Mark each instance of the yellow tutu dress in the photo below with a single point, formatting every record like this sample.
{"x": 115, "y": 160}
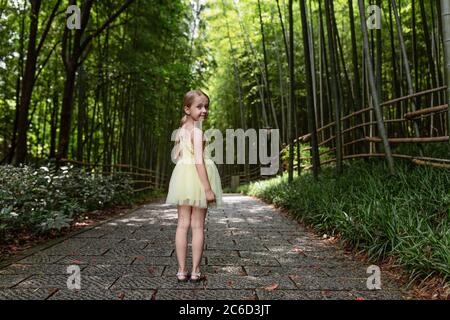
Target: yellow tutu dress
{"x": 185, "y": 187}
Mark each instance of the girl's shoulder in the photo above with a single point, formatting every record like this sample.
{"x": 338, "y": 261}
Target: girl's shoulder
{"x": 190, "y": 131}
{"x": 185, "y": 133}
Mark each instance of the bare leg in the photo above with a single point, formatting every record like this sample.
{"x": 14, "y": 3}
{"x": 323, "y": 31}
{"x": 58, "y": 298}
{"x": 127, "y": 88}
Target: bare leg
{"x": 181, "y": 236}
{"x": 198, "y": 236}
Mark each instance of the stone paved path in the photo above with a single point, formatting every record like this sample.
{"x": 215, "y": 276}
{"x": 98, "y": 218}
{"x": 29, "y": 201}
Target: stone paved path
{"x": 252, "y": 252}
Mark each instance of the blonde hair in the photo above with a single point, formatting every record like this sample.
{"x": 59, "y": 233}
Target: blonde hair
{"x": 188, "y": 99}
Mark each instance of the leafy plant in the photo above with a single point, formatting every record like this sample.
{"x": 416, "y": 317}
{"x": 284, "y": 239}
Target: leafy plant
{"x": 406, "y": 216}
{"x": 46, "y": 198}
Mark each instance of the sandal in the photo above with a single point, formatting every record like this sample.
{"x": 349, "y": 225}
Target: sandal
{"x": 196, "y": 277}
{"x": 182, "y": 276}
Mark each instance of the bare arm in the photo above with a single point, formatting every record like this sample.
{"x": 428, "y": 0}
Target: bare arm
{"x": 199, "y": 161}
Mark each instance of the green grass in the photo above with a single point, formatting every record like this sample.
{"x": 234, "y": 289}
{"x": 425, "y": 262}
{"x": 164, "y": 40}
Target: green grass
{"x": 148, "y": 195}
{"x": 406, "y": 215}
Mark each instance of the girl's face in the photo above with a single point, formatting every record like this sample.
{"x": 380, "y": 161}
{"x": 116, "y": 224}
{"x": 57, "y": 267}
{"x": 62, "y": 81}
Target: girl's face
{"x": 198, "y": 109}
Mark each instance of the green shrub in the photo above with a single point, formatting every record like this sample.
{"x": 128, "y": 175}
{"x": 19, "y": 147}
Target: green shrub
{"x": 40, "y": 199}
{"x": 305, "y": 154}
{"x": 407, "y": 215}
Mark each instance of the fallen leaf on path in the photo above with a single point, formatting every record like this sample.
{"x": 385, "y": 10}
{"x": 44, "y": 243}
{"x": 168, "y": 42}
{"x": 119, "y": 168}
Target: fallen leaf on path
{"x": 298, "y": 250}
{"x": 271, "y": 287}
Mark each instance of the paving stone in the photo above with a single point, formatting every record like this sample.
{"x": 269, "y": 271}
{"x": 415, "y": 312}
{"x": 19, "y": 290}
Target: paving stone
{"x": 251, "y": 252}
{"x": 66, "y": 294}
{"x": 243, "y": 232}
{"x": 93, "y": 234}
{"x": 174, "y": 261}
{"x": 266, "y": 254}
{"x": 307, "y": 249}
{"x": 139, "y": 252}
{"x": 211, "y": 234}
{"x": 142, "y": 269}
{"x": 62, "y": 250}
{"x": 60, "y": 281}
{"x": 330, "y": 295}
{"x": 103, "y": 270}
{"x": 300, "y": 261}
{"x": 233, "y": 261}
{"x": 84, "y": 251}
{"x": 345, "y": 270}
{"x": 304, "y": 295}
{"x": 154, "y": 261}
{"x": 135, "y": 282}
{"x": 172, "y": 270}
{"x": 281, "y": 294}
{"x": 276, "y": 238}
{"x": 153, "y": 235}
{"x": 166, "y": 294}
{"x": 284, "y": 271}
{"x": 9, "y": 281}
{"x": 225, "y": 294}
{"x": 125, "y": 260}
{"x": 38, "y": 269}
{"x": 329, "y": 283}
{"x": 25, "y": 294}
{"x": 40, "y": 258}
{"x": 134, "y": 244}
{"x": 220, "y": 253}
{"x": 380, "y": 295}
{"x": 116, "y": 235}
{"x": 137, "y": 294}
{"x": 86, "y": 242}
{"x": 248, "y": 282}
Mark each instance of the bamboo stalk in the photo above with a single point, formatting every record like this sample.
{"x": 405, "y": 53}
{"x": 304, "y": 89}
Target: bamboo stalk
{"x": 327, "y": 140}
{"x": 433, "y": 164}
{"x": 406, "y": 63}
{"x": 410, "y": 140}
{"x": 138, "y": 174}
{"x": 443, "y": 163}
{"x": 112, "y": 165}
{"x": 354, "y": 141}
{"x": 421, "y": 112}
{"x": 415, "y": 95}
{"x": 356, "y": 113}
{"x": 141, "y": 181}
{"x": 445, "y": 9}
{"x": 334, "y": 88}
{"x": 331, "y": 150}
{"x": 142, "y": 189}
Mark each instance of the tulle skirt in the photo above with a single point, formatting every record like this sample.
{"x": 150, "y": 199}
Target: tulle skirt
{"x": 185, "y": 187}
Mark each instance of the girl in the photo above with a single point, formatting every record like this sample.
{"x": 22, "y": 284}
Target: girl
{"x": 194, "y": 184}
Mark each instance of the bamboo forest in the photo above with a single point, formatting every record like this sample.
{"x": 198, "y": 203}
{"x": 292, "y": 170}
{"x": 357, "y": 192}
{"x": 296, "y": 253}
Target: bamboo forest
{"x": 350, "y": 97}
